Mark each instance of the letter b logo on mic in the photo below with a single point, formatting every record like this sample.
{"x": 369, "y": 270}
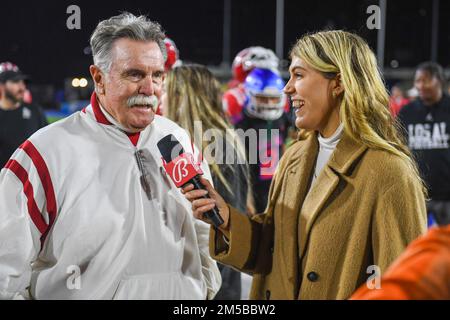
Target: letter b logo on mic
{"x": 182, "y": 169}
{"x": 179, "y": 170}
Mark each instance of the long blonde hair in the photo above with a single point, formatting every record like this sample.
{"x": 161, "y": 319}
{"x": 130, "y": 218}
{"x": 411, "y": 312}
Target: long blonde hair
{"x": 194, "y": 96}
{"x": 364, "y": 105}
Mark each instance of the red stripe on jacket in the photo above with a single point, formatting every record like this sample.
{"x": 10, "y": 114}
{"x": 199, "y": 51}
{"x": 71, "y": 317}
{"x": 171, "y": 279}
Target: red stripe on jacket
{"x": 33, "y": 209}
{"x": 46, "y": 181}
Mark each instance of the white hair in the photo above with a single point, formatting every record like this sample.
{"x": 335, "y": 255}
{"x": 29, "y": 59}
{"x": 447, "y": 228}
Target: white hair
{"x": 125, "y": 25}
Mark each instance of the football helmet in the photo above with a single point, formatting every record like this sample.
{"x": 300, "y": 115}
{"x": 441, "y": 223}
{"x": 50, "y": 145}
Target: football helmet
{"x": 265, "y": 96}
{"x": 253, "y": 57}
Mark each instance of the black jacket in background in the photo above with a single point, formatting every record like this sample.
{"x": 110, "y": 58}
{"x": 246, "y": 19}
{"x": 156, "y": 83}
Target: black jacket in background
{"x": 427, "y": 129}
{"x": 16, "y": 126}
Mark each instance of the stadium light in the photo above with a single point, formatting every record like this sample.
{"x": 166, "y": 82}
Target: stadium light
{"x": 75, "y": 82}
{"x": 83, "y": 82}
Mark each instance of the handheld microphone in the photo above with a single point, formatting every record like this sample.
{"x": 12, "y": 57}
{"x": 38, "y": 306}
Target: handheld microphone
{"x": 182, "y": 169}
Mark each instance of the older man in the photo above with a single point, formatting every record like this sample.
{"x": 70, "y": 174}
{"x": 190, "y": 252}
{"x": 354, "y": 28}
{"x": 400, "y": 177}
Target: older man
{"x": 86, "y": 211}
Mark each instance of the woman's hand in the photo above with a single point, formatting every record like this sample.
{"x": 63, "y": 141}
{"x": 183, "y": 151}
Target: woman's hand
{"x": 201, "y": 205}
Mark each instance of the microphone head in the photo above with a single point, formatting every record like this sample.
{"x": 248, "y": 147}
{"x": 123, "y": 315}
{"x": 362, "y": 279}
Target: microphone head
{"x": 170, "y": 148}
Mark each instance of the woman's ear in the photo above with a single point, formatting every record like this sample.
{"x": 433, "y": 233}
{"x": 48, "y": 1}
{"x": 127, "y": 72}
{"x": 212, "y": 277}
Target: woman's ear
{"x": 337, "y": 87}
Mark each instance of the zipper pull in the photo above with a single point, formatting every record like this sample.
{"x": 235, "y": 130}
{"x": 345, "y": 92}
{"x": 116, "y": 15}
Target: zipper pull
{"x": 145, "y": 184}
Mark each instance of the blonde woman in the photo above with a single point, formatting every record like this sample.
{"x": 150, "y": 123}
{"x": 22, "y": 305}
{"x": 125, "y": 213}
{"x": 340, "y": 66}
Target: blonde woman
{"x": 346, "y": 199}
{"x": 193, "y": 100}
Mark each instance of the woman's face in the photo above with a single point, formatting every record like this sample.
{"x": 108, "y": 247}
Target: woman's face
{"x": 311, "y": 96}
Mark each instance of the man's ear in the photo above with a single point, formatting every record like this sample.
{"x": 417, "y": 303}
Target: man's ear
{"x": 99, "y": 79}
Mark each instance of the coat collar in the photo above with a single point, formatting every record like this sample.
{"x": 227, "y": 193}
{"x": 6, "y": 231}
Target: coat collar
{"x": 346, "y": 153}
{"x": 98, "y": 114}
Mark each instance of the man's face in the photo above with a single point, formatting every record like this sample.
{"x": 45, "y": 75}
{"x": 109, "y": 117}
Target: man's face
{"x": 397, "y": 92}
{"x": 429, "y": 87}
{"x": 266, "y": 101}
{"x": 14, "y": 90}
{"x": 135, "y": 76}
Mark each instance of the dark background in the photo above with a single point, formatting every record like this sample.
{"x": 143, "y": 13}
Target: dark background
{"x": 35, "y": 37}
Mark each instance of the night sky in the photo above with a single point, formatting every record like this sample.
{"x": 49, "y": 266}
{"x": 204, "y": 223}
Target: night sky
{"x": 34, "y": 35}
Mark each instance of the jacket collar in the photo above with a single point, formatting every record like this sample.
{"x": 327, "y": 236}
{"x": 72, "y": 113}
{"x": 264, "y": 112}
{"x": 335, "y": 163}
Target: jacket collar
{"x": 346, "y": 153}
{"x": 99, "y": 116}
{"x": 102, "y": 119}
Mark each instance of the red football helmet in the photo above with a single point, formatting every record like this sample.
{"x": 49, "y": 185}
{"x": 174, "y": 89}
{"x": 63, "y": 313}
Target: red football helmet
{"x": 172, "y": 54}
{"x": 253, "y": 57}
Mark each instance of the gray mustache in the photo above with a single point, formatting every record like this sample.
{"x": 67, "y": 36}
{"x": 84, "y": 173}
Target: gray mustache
{"x": 142, "y": 99}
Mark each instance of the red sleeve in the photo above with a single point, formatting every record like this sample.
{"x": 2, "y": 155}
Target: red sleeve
{"x": 233, "y": 103}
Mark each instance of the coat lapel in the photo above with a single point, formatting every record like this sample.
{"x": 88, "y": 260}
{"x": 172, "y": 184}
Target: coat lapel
{"x": 322, "y": 189}
{"x": 295, "y": 185}
{"x": 346, "y": 153}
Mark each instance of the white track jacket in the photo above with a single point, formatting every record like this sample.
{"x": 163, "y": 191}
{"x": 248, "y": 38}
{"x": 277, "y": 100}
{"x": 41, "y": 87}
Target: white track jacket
{"x": 76, "y": 223}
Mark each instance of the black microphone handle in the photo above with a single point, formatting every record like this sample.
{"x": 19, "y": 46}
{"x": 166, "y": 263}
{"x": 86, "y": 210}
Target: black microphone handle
{"x": 212, "y": 214}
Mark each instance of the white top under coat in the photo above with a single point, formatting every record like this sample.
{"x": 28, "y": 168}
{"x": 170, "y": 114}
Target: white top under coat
{"x": 326, "y": 148}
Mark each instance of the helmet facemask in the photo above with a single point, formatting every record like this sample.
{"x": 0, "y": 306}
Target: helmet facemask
{"x": 265, "y": 96}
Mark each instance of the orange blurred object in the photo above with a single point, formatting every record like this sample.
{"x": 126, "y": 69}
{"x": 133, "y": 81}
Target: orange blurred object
{"x": 422, "y": 272}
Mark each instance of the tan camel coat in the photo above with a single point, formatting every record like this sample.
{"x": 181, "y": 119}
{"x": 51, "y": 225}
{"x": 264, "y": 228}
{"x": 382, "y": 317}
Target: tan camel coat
{"x": 317, "y": 243}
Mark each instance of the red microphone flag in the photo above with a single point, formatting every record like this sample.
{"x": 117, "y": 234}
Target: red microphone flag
{"x": 182, "y": 169}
